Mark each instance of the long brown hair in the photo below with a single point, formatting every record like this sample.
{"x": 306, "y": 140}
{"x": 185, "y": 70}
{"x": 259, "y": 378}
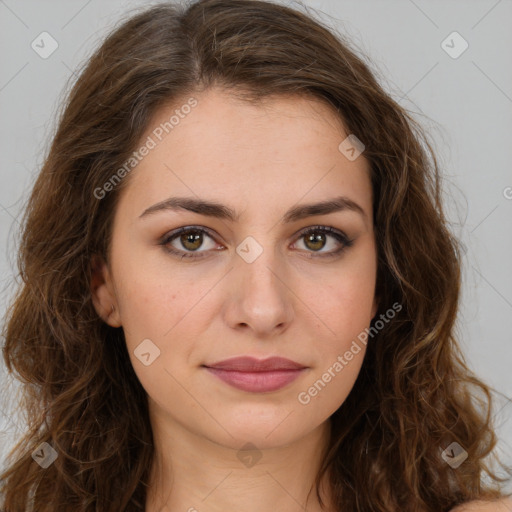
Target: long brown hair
{"x": 414, "y": 395}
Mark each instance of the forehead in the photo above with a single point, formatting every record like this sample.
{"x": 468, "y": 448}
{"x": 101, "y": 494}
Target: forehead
{"x": 273, "y": 152}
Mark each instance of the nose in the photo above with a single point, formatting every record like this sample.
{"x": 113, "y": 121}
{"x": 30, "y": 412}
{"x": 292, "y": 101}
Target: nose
{"x": 260, "y": 295}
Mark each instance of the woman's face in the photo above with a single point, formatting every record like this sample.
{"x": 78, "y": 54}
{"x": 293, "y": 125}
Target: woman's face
{"x": 250, "y": 283}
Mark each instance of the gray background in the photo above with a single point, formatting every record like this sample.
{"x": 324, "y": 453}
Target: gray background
{"x": 465, "y": 103}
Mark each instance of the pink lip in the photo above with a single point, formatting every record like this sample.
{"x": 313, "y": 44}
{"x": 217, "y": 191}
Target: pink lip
{"x": 254, "y": 375}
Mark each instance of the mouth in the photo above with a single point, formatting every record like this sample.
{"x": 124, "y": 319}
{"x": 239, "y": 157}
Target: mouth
{"x": 257, "y": 376}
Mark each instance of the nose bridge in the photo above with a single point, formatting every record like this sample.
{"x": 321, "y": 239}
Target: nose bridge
{"x": 258, "y": 261}
{"x": 261, "y": 296}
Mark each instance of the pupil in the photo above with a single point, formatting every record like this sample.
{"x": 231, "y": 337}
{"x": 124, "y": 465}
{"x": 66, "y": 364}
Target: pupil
{"x": 190, "y": 238}
{"x": 316, "y": 239}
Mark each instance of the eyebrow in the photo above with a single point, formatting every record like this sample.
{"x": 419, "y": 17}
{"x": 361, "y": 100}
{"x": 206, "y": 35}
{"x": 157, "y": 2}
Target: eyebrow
{"x": 220, "y": 211}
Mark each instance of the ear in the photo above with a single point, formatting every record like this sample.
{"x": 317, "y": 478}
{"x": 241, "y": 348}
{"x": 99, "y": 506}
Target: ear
{"x": 102, "y": 292}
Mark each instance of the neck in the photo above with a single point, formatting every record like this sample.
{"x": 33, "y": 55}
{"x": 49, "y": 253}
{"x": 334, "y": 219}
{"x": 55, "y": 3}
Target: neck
{"x": 192, "y": 473}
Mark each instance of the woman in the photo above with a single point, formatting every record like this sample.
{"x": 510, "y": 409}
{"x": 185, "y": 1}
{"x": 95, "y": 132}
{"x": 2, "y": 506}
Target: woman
{"x": 239, "y": 288}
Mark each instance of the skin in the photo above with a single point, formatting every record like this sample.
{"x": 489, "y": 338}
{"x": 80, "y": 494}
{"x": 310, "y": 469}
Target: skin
{"x": 286, "y": 303}
{"x": 504, "y": 505}
{"x": 283, "y": 303}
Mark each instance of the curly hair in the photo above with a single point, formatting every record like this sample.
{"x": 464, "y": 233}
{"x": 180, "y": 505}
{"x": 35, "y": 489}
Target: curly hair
{"x": 414, "y": 395}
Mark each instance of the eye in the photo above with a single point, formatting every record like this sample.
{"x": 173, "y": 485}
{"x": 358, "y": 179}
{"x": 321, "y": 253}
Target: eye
{"x": 189, "y": 238}
{"x": 316, "y": 238}
{"x": 185, "y": 242}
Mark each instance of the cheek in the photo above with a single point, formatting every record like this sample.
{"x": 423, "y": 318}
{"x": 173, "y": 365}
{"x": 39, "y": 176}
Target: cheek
{"x": 150, "y": 305}
{"x": 167, "y": 312}
{"x": 346, "y": 312}
{"x": 343, "y": 300}
{"x": 344, "y": 306}
{"x": 352, "y": 305}
{"x": 146, "y": 308}
{"x": 153, "y": 320}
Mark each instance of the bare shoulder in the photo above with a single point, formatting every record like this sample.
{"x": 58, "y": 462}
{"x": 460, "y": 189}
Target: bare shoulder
{"x": 503, "y": 505}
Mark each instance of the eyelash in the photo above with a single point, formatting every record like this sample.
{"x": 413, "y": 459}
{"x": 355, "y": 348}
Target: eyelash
{"x": 338, "y": 235}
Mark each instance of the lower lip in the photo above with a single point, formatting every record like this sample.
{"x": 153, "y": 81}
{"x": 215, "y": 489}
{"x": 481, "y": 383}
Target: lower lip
{"x": 257, "y": 382}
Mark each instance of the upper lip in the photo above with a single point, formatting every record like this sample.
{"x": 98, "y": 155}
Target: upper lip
{"x": 251, "y": 364}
